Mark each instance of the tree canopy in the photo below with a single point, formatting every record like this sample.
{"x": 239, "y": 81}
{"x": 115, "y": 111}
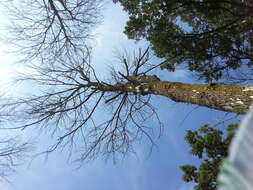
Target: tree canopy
{"x": 209, "y": 37}
{"x": 210, "y": 145}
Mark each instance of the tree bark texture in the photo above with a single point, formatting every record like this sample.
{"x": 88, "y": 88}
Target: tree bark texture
{"x": 224, "y": 97}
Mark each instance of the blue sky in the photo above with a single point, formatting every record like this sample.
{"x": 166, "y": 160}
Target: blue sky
{"x": 158, "y": 171}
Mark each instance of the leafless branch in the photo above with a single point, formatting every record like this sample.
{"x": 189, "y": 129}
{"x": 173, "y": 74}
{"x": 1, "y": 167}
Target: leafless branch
{"x": 73, "y": 100}
{"x": 51, "y": 28}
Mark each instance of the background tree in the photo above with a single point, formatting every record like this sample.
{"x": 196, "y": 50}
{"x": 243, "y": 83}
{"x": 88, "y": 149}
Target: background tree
{"x": 13, "y": 150}
{"x": 210, "y": 145}
{"x": 44, "y": 29}
{"x": 212, "y": 38}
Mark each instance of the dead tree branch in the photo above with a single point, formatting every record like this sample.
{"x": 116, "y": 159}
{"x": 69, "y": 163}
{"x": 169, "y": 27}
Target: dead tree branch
{"x": 73, "y": 100}
{"x": 45, "y": 29}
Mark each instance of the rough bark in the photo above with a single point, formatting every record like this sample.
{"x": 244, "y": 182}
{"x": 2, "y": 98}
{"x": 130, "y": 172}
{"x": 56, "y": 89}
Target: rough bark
{"x": 224, "y": 97}
{"x": 228, "y": 98}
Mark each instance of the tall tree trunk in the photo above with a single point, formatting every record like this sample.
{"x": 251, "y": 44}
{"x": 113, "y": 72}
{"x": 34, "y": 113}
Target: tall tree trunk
{"x": 224, "y": 97}
{"x": 229, "y": 98}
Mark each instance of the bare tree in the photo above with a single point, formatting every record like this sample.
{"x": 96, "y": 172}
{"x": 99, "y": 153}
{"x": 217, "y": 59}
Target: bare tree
{"x": 51, "y": 28}
{"x": 73, "y": 97}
